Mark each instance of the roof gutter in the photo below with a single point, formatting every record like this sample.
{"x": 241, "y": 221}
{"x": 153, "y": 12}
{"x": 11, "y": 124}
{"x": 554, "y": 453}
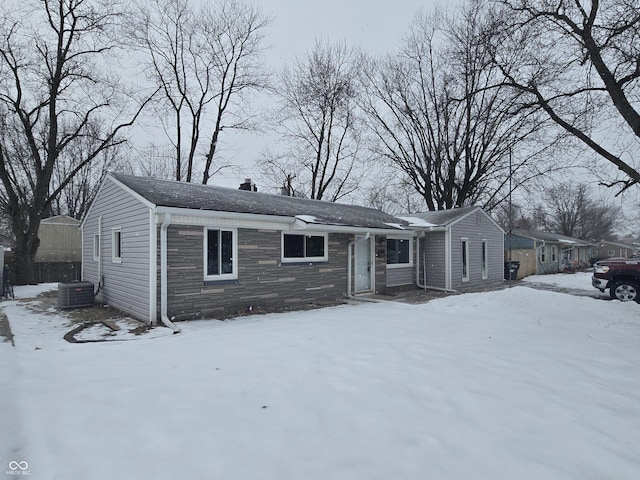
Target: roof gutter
{"x": 255, "y": 217}
{"x": 290, "y": 223}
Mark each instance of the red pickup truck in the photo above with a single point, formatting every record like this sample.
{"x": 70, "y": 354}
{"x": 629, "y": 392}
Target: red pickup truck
{"x": 620, "y": 275}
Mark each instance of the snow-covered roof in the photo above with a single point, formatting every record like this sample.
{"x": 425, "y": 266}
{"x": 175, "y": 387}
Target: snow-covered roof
{"x": 207, "y": 197}
{"x": 417, "y": 222}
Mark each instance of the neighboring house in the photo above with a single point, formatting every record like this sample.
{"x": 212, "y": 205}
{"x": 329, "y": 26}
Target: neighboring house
{"x": 59, "y": 255}
{"x": 458, "y": 249}
{"x": 607, "y": 249}
{"x": 543, "y": 252}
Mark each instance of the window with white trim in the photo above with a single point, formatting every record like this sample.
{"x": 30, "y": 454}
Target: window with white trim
{"x": 554, "y": 253}
{"x": 300, "y": 247}
{"x": 465, "y": 259}
{"x": 543, "y": 254}
{"x": 399, "y": 252}
{"x": 96, "y": 247}
{"x": 485, "y": 259}
{"x": 220, "y": 253}
{"x": 116, "y": 245}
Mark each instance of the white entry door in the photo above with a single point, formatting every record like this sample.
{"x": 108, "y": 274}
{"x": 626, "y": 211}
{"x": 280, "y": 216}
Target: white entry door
{"x": 363, "y": 265}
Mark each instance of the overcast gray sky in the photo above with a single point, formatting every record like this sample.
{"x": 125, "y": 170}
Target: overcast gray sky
{"x": 375, "y": 26}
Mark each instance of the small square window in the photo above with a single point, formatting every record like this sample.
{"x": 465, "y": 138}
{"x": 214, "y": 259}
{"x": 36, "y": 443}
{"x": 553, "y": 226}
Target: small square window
{"x": 399, "y": 251}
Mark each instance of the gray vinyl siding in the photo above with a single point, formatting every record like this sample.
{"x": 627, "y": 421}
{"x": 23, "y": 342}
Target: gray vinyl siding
{"x": 126, "y": 284}
{"x": 549, "y": 265}
{"x": 433, "y": 257}
{"x": 400, "y": 276}
{"x": 264, "y": 283}
{"x": 476, "y": 227}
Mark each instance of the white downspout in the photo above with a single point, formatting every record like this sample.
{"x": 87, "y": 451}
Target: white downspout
{"x": 424, "y": 285}
{"x": 163, "y": 275}
{"x": 99, "y": 249}
{"x": 350, "y": 247}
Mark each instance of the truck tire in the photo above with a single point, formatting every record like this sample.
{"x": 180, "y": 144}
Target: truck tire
{"x": 625, "y": 291}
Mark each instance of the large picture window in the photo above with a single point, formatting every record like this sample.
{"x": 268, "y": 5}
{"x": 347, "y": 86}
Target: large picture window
{"x": 220, "y": 254}
{"x": 399, "y": 252}
{"x": 302, "y": 247}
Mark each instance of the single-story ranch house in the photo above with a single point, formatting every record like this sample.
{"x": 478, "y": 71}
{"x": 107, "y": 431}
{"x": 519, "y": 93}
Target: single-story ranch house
{"x": 165, "y": 250}
{"x": 540, "y": 253}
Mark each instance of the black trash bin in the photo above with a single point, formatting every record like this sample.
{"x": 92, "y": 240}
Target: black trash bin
{"x": 511, "y": 270}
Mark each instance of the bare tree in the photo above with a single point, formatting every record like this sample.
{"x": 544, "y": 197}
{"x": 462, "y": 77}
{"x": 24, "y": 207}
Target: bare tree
{"x": 575, "y": 213}
{"x": 578, "y": 62}
{"x": 433, "y": 115}
{"x": 78, "y": 194}
{"x": 206, "y": 60}
{"x": 317, "y": 119}
{"x": 53, "y": 96}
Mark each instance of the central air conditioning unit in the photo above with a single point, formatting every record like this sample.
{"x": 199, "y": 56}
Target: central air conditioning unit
{"x": 75, "y": 295}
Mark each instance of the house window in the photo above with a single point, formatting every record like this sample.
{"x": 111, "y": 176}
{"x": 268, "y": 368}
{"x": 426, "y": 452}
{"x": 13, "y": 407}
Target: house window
{"x": 554, "y": 254}
{"x": 302, "y": 247}
{"x": 116, "y": 245}
{"x": 399, "y": 252}
{"x": 96, "y": 247}
{"x": 220, "y": 251}
{"x": 543, "y": 255}
{"x": 465, "y": 260}
{"x": 610, "y": 253}
{"x": 485, "y": 260}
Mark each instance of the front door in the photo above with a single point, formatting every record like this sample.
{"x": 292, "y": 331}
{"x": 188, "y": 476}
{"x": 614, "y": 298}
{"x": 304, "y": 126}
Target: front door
{"x": 363, "y": 265}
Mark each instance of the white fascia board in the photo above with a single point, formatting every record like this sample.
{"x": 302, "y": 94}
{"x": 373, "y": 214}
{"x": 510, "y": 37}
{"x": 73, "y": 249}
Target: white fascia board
{"x": 185, "y": 216}
{"x": 324, "y": 227}
{"x": 188, "y": 216}
{"x": 131, "y": 192}
{"x": 424, "y": 229}
{"x": 86, "y": 214}
{"x": 134, "y": 194}
{"x": 453, "y": 222}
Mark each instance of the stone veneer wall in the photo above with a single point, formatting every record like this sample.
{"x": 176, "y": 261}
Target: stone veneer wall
{"x": 264, "y": 283}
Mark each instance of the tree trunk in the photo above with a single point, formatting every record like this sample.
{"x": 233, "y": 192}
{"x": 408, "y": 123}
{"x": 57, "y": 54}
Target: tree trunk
{"x": 27, "y": 243}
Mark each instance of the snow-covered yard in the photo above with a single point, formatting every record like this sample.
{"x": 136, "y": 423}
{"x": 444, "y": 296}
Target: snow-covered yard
{"x": 579, "y": 281}
{"x": 512, "y": 384}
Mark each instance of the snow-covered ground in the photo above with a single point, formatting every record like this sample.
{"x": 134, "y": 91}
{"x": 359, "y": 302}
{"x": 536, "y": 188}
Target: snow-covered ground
{"x": 512, "y": 384}
{"x": 572, "y": 281}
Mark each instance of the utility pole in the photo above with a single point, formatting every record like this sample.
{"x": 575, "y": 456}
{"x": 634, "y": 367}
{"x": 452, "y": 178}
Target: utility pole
{"x": 510, "y": 215}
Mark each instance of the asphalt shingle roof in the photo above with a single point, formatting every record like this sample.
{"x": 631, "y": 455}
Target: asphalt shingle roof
{"x": 207, "y": 197}
{"x": 549, "y": 237}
